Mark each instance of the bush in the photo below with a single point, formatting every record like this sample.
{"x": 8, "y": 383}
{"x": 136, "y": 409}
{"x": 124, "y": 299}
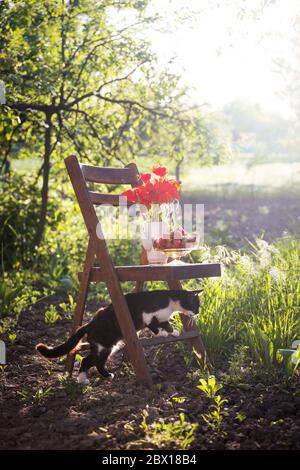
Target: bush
{"x": 19, "y": 216}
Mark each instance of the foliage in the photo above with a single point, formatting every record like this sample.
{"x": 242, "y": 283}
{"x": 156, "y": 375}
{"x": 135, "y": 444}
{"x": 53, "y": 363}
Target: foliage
{"x": 210, "y": 387}
{"x": 178, "y": 432}
{"x": 39, "y": 396}
{"x": 51, "y": 315}
{"x": 19, "y": 215}
{"x": 69, "y": 308}
{"x": 257, "y": 135}
{"x": 254, "y": 304}
{"x": 72, "y": 388}
{"x": 16, "y": 293}
{"x": 2, "y": 369}
{"x": 12, "y": 337}
{"x": 78, "y": 81}
{"x": 214, "y": 418}
{"x": 240, "y": 366}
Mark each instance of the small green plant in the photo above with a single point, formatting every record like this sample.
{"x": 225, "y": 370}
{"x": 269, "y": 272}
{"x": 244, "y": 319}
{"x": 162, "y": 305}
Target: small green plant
{"x": 240, "y": 417}
{"x": 214, "y": 418}
{"x": 2, "y": 368}
{"x": 177, "y": 400}
{"x": 8, "y": 295}
{"x": 42, "y": 394}
{"x": 240, "y": 370}
{"x": 51, "y": 315}
{"x": 12, "y": 337}
{"x": 68, "y": 308}
{"x": 210, "y": 387}
{"x": 39, "y": 396}
{"x": 72, "y": 388}
{"x": 179, "y": 432}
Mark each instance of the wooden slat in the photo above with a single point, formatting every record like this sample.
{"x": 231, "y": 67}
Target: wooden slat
{"x": 190, "y": 325}
{"x": 127, "y": 175}
{"x": 186, "y": 335}
{"x": 100, "y": 198}
{"x": 155, "y": 340}
{"x": 159, "y": 272}
{"x": 81, "y": 301}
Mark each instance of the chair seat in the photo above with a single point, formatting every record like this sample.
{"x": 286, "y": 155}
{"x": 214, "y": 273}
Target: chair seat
{"x": 165, "y": 272}
{"x": 155, "y": 340}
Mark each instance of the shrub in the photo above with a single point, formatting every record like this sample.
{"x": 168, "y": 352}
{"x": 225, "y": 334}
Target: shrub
{"x": 19, "y": 216}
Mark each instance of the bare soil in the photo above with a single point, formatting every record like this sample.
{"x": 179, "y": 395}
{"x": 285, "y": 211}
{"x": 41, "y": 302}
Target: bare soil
{"x": 235, "y": 221}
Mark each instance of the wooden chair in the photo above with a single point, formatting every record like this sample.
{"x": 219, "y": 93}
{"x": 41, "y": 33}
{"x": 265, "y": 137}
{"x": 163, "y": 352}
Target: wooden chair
{"x": 112, "y": 275}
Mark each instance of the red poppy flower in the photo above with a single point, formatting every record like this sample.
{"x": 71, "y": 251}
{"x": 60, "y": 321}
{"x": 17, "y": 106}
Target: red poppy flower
{"x": 130, "y": 195}
{"x": 160, "y": 191}
{"x": 145, "y": 177}
{"x": 160, "y": 170}
{"x": 144, "y": 194}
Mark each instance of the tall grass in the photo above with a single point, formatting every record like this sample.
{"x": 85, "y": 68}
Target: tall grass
{"x": 256, "y": 303}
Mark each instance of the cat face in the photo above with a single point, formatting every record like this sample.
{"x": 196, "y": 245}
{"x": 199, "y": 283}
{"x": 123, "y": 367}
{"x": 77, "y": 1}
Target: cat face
{"x": 191, "y": 302}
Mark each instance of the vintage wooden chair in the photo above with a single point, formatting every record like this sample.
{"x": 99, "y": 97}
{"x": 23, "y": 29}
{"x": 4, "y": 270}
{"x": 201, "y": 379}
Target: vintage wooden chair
{"x": 112, "y": 275}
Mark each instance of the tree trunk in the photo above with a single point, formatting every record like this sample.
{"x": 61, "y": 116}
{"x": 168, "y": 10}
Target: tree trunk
{"x": 177, "y": 169}
{"x": 46, "y": 171}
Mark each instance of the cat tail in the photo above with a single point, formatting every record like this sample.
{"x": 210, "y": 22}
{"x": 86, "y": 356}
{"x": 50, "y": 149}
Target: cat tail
{"x": 63, "y": 348}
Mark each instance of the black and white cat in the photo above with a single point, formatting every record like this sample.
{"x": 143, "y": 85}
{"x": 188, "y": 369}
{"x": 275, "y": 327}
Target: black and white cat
{"x": 151, "y": 309}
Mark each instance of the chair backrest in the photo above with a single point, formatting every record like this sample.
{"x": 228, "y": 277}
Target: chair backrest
{"x": 128, "y": 175}
{"x": 81, "y": 174}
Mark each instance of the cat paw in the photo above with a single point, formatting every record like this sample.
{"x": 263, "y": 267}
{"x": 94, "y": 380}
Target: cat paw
{"x": 162, "y": 332}
{"x": 107, "y": 375}
{"x": 175, "y": 333}
{"x": 82, "y": 379}
{"x": 188, "y": 313}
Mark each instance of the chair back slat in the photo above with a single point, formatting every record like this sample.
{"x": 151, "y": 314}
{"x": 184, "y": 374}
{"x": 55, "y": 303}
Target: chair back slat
{"x": 100, "y": 198}
{"x": 127, "y": 175}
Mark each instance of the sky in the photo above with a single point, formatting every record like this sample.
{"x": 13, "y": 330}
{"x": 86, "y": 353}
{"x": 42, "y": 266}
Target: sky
{"x": 224, "y": 56}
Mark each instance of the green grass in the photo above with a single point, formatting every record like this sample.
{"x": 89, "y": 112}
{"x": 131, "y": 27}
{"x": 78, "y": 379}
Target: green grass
{"x": 256, "y": 304}
{"x": 232, "y": 180}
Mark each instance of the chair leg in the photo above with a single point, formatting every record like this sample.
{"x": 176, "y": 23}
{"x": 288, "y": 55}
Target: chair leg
{"x": 189, "y": 325}
{"x": 139, "y": 285}
{"x": 80, "y": 305}
{"x": 133, "y": 346}
{"x": 77, "y": 322}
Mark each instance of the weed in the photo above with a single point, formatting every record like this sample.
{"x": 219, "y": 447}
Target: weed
{"x": 214, "y": 418}
{"x": 12, "y": 337}
{"x": 69, "y": 308}
{"x": 51, "y": 315}
{"x": 160, "y": 433}
{"x": 39, "y": 396}
{"x": 240, "y": 366}
{"x": 210, "y": 387}
{"x": 2, "y": 368}
{"x": 72, "y": 388}
{"x": 240, "y": 417}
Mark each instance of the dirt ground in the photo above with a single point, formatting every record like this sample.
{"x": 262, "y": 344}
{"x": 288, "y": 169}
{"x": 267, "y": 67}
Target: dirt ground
{"x": 235, "y": 221}
{"x": 108, "y": 414}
